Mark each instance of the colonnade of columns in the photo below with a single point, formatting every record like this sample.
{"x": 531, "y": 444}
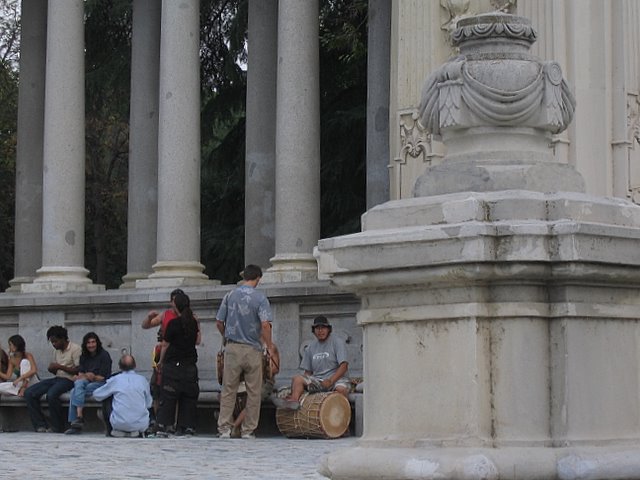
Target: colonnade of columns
{"x": 282, "y": 149}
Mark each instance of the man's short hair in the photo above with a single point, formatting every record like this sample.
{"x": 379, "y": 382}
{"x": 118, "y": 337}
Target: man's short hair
{"x": 57, "y": 331}
{"x": 251, "y": 272}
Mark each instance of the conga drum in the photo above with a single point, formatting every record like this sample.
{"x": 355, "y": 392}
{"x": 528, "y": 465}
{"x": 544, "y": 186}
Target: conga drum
{"x": 321, "y": 415}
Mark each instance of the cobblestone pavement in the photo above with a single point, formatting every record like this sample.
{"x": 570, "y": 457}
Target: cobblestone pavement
{"x": 94, "y": 456}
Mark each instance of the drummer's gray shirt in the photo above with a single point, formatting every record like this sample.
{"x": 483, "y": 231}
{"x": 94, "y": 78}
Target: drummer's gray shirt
{"x": 323, "y": 358}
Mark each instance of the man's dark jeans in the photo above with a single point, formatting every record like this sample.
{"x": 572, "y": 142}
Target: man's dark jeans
{"x": 53, "y": 388}
{"x": 107, "y": 408}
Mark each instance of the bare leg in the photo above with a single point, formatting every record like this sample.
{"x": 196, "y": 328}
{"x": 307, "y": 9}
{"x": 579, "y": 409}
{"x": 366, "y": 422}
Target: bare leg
{"x": 297, "y": 388}
{"x": 239, "y": 419}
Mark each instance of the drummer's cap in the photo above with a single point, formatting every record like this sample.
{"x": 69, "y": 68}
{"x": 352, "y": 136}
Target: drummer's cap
{"x": 320, "y": 320}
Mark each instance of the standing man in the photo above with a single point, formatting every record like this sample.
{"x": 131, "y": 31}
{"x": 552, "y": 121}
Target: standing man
{"x": 244, "y": 320}
{"x": 130, "y": 402}
{"x": 66, "y": 359}
{"x": 325, "y": 366}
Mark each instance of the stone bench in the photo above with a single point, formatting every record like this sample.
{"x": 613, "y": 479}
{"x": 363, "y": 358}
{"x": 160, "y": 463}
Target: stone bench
{"x": 14, "y": 414}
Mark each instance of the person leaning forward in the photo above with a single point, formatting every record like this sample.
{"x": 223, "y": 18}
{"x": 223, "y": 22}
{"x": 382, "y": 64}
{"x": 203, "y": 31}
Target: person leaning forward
{"x": 126, "y": 400}
{"x": 244, "y": 320}
{"x": 65, "y": 365}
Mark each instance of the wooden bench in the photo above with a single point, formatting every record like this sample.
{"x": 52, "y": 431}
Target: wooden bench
{"x": 14, "y": 414}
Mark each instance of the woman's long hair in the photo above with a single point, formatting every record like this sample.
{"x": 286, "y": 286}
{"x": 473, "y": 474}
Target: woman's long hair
{"x": 86, "y": 339}
{"x": 187, "y": 320}
{"x": 18, "y": 342}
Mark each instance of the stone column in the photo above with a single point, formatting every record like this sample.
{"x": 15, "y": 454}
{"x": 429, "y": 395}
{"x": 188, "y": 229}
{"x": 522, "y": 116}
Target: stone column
{"x": 143, "y": 142}
{"x": 499, "y": 305}
{"x": 178, "y": 149}
{"x": 259, "y": 196}
{"x": 28, "y": 213}
{"x": 64, "y": 154}
{"x": 418, "y": 46}
{"x": 297, "y": 143}
{"x": 378, "y": 51}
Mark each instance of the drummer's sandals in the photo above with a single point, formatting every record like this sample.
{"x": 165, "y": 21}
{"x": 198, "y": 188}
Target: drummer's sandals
{"x": 286, "y": 404}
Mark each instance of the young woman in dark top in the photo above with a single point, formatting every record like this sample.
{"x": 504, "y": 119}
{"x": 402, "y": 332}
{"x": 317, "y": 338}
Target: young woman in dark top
{"x": 95, "y": 368}
{"x": 178, "y": 360}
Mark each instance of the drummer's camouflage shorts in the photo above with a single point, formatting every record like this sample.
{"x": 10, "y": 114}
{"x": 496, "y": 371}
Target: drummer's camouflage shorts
{"x": 314, "y": 384}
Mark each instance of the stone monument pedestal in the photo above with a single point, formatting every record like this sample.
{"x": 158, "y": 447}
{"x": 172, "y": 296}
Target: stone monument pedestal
{"x": 500, "y": 322}
{"x": 501, "y": 337}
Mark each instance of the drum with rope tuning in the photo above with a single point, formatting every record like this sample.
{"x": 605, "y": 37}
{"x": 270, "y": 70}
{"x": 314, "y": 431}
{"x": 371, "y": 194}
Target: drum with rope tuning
{"x": 321, "y": 415}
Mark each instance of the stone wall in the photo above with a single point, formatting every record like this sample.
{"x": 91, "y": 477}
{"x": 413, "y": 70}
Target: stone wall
{"x": 116, "y": 315}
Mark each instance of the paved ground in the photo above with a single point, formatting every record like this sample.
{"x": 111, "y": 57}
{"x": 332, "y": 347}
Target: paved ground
{"x": 94, "y": 456}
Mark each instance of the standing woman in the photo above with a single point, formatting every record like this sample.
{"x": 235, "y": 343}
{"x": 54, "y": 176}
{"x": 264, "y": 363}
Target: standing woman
{"x": 21, "y": 364}
{"x": 178, "y": 359}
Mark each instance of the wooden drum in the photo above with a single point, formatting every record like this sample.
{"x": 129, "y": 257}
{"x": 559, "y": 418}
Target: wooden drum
{"x": 321, "y": 415}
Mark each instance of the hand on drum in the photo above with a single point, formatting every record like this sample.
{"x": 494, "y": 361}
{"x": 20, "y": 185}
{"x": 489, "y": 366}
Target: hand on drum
{"x": 326, "y": 383}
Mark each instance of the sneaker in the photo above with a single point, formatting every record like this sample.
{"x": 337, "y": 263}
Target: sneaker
{"x": 248, "y": 436}
{"x": 43, "y": 430}
{"x": 286, "y": 404}
{"x": 161, "y": 434}
{"x": 121, "y": 434}
{"x": 73, "y": 431}
{"x": 226, "y": 434}
{"x": 77, "y": 423}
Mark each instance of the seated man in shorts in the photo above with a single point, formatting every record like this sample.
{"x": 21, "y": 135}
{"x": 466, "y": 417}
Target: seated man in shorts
{"x": 325, "y": 366}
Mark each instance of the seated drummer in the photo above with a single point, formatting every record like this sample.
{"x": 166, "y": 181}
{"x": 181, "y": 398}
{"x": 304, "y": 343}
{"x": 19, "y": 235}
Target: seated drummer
{"x": 325, "y": 366}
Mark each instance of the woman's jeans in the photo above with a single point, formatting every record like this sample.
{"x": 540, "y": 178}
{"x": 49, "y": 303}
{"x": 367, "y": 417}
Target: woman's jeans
{"x": 82, "y": 389}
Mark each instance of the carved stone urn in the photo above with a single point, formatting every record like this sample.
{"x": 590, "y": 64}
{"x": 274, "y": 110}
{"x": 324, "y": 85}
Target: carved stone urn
{"x": 496, "y": 106}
